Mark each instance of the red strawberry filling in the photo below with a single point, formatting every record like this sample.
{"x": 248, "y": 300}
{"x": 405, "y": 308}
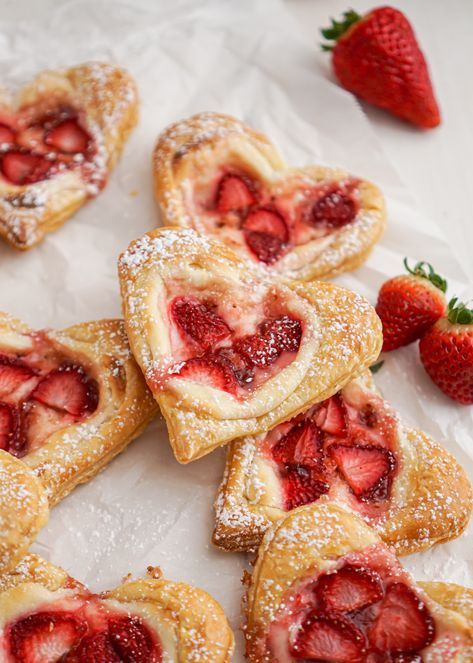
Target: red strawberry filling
{"x": 358, "y": 612}
{"x": 334, "y": 210}
{"x": 213, "y": 353}
{"x": 38, "y": 398}
{"x": 270, "y": 221}
{"x": 81, "y": 636}
{"x": 338, "y": 445}
{"x": 40, "y": 148}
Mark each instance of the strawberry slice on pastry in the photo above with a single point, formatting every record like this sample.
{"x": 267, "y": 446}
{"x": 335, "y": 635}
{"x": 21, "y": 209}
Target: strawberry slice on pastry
{"x": 46, "y": 617}
{"x": 325, "y": 588}
{"x": 59, "y": 141}
{"x": 351, "y": 448}
{"x": 217, "y": 175}
{"x": 227, "y": 350}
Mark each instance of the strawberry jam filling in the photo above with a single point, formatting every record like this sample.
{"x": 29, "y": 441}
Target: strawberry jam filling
{"x": 345, "y": 446}
{"x": 271, "y": 221}
{"x": 90, "y": 632}
{"x": 40, "y": 393}
{"x": 35, "y": 149}
{"x": 363, "y": 610}
{"x": 213, "y": 353}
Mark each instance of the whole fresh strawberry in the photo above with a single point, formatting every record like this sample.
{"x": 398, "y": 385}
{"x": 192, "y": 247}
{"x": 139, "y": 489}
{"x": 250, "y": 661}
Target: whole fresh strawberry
{"x": 446, "y": 351}
{"x": 410, "y": 304}
{"x": 377, "y": 57}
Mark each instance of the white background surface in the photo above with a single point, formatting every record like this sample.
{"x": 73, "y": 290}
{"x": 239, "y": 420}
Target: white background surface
{"x": 247, "y": 58}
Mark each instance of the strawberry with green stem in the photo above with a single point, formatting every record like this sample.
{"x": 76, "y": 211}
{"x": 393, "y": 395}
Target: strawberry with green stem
{"x": 378, "y": 58}
{"x": 408, "y": 305}
{"x": 446, "y": 351}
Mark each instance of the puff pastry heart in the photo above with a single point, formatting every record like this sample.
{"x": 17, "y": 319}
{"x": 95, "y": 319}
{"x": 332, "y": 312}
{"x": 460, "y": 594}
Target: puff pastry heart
{"x": 351, "y": 448}
{"x": 227, "y": 351}
{"x": 326, "y": 588}
{"x": 217, "y": 175}
{"x": 59, "y": 139}
{"x": 69, "y": 402}
{"x": 46, "y": 616}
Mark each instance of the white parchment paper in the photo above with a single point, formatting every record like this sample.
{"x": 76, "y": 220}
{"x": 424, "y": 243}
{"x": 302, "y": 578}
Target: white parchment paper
{"x": 249, "y": 59}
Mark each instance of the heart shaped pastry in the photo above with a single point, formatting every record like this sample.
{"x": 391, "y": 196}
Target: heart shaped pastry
{"x": 351, "y": 448}
{"x": 46, "y": 616}
{"x": 326, "y": 588}
{"x": 217, "y": 175}
{"x": 69, "y": 402}
{"x": 228, "y": 351}
{"x": 59, "y": 139}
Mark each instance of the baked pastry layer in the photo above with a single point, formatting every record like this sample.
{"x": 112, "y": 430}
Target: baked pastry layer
{"x": 215, "y": 174}
{"x": 425, "y": 499}
{"x": 61, "y": 136}
{"x": 151, "y": 619}
{"x": 295, "y": 594}
{"x": 62, "y": 446}
{"x": 295, "y": 343}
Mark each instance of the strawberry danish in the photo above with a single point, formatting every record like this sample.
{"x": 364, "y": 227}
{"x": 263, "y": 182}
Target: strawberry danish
{"x": 227, "y": 351}
{"x": 69, "y": 402}
{"x": 351, "y": 448}
{"x": 46, "y": 616}
{"x": 59, "y": 140}
{"x": 326, "y": 588}
{"x": 217, "y": 175}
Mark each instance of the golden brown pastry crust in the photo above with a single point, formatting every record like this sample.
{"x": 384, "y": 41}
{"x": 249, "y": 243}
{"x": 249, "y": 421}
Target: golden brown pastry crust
{"x": 304, "y": 542}
{"x": 23, "y": 509}
{"x": 186, "y": 144}
{"x": 345, "y": 330}
{"x": 198, "y": 626}
{"x": 74, "y": 454}
{"x": 107, "y": 96}
{"x": 436, "y": 497}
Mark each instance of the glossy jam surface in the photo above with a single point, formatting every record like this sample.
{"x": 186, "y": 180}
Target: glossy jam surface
{"x": 81, "y": 631}
{"x": 346, "y": 446}
{"x": 363, "y": 610}
{"x": 41, "y": 392}
{"x": 35, "y": 146}
{"x": 214, "y": 347}
{"x": 271, "y": 221}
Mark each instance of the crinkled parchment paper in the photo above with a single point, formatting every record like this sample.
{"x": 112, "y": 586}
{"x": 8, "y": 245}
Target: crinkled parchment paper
{"x": 249, "y": 59}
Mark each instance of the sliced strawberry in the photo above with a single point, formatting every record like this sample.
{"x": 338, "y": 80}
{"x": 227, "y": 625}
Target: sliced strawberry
{"x": 331, "y": 418}
{"x": 335, "y": 210}
{"x": 234, "y": 193}
{"x": 240, "y": 366}
{"x": 404, "y": 624}
{"x": 199, "y": 322}
{"x": 14, "y": 377}
{"x": 300, "y": 486}
{"x": 258, "y": 350}
{"x": 32, "y": 139}
{"x": 266, "y": 234}
{"x": 44, "y": 637}
{"x": 7, "y": 135}
{"x": 68, "y": 389}
{"x": 23, "y": 168}
{"x": 284, "y": 332}
{"x": 8, "y": 426}
{"x": 366, "y": 469}
{"x": 348, "y": 589}
{"x": 69, "y": 137}
{"x": 209, "y": 372}
{"x": 331, "y": 639}
{"x": 37, "y": 423}
{"x": 301, "y": 445}
{"x": 97, "y": 648}
{"x": 133, "y": 642}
